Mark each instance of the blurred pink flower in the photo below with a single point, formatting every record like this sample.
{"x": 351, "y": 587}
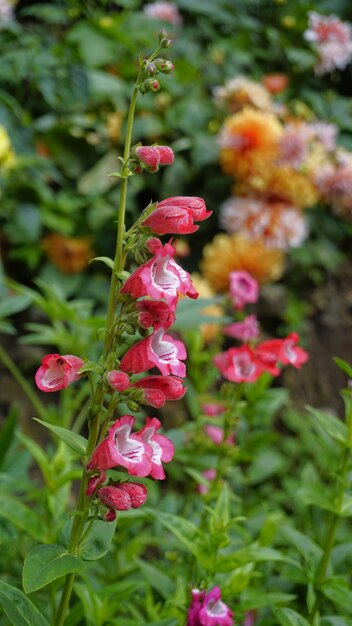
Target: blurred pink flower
{"x": 243, "y": 289}
{"x": 244, "y": 331}
{"x": 210, "y": 475}
{"x": 216, "y": 434}
{"x": 333, "y": 40}
{"x": 166, "y": 11}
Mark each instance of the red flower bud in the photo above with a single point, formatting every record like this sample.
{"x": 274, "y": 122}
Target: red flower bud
{"x": 166, "y": 155}
{"x": 118, "y": 380}
{"x": 137, "y": 493}
{"x": 114, "y": 498}
{"x": 154, "y": 314}
{"x": 148, "y": 157}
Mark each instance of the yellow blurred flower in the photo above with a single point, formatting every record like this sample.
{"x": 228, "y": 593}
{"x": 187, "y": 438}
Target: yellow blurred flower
{"x": 68, "y": 254}
{"x": 249, "y": 143}
{"x": 7, "y": 155}
{"x": 227, "y": 253}
{"x": 292, "y": 186}
{"x": 240, "y": 92}
{"x": 208, "y": 330}
{"x": 114, "y": 126}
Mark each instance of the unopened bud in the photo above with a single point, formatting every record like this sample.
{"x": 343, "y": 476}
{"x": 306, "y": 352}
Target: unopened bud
{"x": 151, "y": 84}
{"x": 164, "y": 66}
{"x": 150, "y": 68}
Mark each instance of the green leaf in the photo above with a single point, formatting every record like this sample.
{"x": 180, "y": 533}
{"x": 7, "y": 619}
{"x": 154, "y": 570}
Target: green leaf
{"x": 312, "y": 495}
{"x": 18, "y": 608}
{"x": 22, "y": 517}
{"x": 344, "y": 366}
{"x": 38, "y": 454}
{"x": 157, "y": 579}
{"x": 104, "y": 259}
{"x": 91, "y": 366}
{"x": 254, "y": 599}
{"x": 333, "y": 426}
{"x": 97, "y": 542}
{"x": 74, "y": 441}
{"x": 252, "y": 554}
{"x": 288, "y": 617}
{"x": 339, "y": 592}
{"x": 14, "y": 304}
{"x": 7, "y": 433}
{"x": 188, "y": 533}
{"x": 46, "y": 563}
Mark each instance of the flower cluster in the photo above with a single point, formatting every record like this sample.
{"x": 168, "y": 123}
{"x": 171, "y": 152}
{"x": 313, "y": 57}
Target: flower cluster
{"x": 208, "y": 609}
{"x": 282, "y": 162}
{"x": 332, "y": 39}
{"x": 247, "y": 362}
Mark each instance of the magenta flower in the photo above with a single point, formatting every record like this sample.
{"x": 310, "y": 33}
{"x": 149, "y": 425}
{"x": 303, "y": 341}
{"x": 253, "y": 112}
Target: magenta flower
{"x": 159, "y": 389}
{"x": 210, "y": 475}
{"x": 176, "y": 215}
{"x": 243, "y": 289}
{"x": 158, "y": 350}
{"x": 216, "y": 434}
{"x": 239, "y": 364}
{"x": 156, "y": 314}
{"x": 118, "y": 380}
{"x": 212, "y": 409}
{"x": 121, "y": 447}
{"x": 207, "y": 609}
{"x": 57, "y": 372}
{"x": 244, "y": 331}
{"x": 285, "y": 350}
{"x": 163, "y": 448}
{"x": 161, "y": 277}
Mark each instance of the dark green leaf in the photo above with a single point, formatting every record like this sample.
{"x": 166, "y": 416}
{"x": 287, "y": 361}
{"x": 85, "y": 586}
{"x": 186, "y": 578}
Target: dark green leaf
{"x": 97, "y": 543}
{"x": 74, "y": 441}
{"x": 46, "y": 563}
{"x": 332, "y": 425}
{"x": 18, "y": 608}
{"x": 288, "y": 617}
{"x": 157, "y": 579}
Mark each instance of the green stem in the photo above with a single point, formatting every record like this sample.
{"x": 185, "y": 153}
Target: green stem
{"x": 342, "y": 479}
{"x": 23, "y": 383}
{"x": 65, "y": 599}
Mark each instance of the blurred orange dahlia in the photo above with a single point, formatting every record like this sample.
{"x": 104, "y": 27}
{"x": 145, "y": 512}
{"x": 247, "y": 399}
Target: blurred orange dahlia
{"x": 68, "y": 254}
{"x": 227, "y": 253}
{"x": 249, "y": 143}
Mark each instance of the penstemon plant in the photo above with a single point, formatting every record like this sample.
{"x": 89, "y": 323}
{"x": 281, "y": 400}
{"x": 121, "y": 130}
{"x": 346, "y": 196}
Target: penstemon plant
{"x": 141, "y": 308}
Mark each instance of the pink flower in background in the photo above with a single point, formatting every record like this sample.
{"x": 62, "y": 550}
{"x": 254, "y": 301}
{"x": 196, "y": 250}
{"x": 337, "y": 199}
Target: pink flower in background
{"x": 239, "y": 365}
{"x": 335, "y": 185}
{"x": 216, "y": 434}
{"x": 294, "y": 144}
{"x": 207, "y": 609}
{"x": 285, "y": 350}
{"x": 159, "y": 389}
{"x": 161, "y": 277}
{"x": 156, "y": 314}
{"x": 162, "y": 447}
{"x": 249, "y": 619}
{"x": 121, "y": 447}
{"x": 325, "y": 133}
{"x": 210, "y": 475}
{"x": 166, "y": 11}
{"x": 118, "y": 380}
{"x": 212, "y": 409}
{"x": 243, "y": 289}
{"x": 333, "y": 40}
{"x": 57, "y": 372}
{"x": 158, "y": 350}
{"x": 244, "y": 331}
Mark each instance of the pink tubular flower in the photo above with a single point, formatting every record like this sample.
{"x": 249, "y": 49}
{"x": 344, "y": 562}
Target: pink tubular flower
{"x": 285, "y": 350}
{"x": 176, "y": 215}
{"x": 154, "y": 314}
{"x": 159, "y": 389}
{"x": 57, "y": 372}
{"x": 207, "y": 609}
{"x": 212, "y": 409}
{"x": 214, "y": 611}
{"x": 166, "y": 155}
{"x": 158, "y": 350}
{"x": 210, "y": 475}
{"x": 166, "y": 11}
{"x": 163, "y": 448}
{"x": 161, "y": 277}
{"x": 216, "y": 434}
{"x": 244, "y": 331}
{"x": 118, "y": 380}
{"x": 239, "y": 365}
{"x": 243, "y": 289}
{"x": 121, "y": 447}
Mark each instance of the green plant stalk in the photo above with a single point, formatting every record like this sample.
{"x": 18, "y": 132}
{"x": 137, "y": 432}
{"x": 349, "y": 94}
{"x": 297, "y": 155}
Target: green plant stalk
{"x": 23, "y": 383}
{"x": 342, "y": 479}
